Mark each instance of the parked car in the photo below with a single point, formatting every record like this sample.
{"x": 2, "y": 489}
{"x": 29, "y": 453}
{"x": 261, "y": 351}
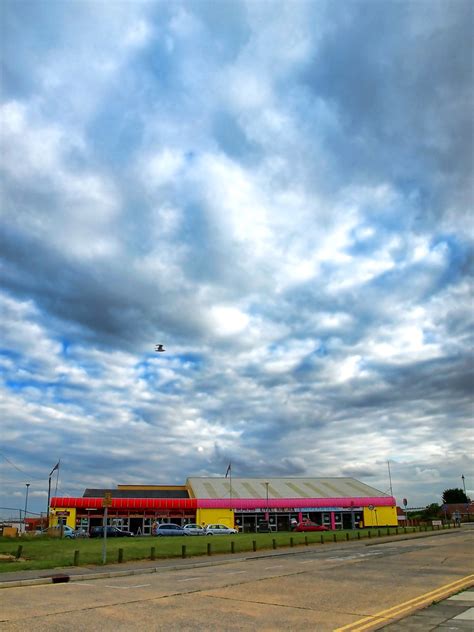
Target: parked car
{"x": 309, "y": 526}
{"x": 82, "y": 533}
{"x": 194, "y": 529}
{"x": 112, "y": 532}
{"x": 219, "y": 529}
{"x": 68, "y": 532}
{"x": 169, "y": 528}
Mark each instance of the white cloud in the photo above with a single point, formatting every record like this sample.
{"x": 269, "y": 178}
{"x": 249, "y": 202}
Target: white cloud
{"x": 228, "y": 321}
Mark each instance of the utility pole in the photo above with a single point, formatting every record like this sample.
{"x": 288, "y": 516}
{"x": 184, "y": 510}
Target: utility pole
{"x": 390, "y": 478}
{"x": 467, "y": 499}
{"x": 26, "y": 506}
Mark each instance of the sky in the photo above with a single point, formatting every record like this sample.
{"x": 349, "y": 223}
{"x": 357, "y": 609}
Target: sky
{"x": 280, "y": 193}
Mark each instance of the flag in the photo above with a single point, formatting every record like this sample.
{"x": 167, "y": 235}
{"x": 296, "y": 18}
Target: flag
{"x": 56, "y": 467}
{"x": 228, "y": 471}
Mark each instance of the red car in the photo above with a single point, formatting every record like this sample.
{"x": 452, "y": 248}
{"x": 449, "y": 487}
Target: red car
{"x": 309, "y": 526}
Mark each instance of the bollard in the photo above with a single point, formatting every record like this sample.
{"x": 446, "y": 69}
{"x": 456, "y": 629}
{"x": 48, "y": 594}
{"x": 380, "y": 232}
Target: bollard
{"x": 404, "y": 530}
{"x": 388, "y": 531}
{"x": 232, "y": 547}
{"x": 334, "y": 536}
{"x": 152, "y": 553}
{"x": 291, "y": 542}
{"x": 396, "y": 530}
{"x": 209, "y": 548}
{"x": 274, "y": 543}
{"x": 322, "y": 539}
{"x": 183, "y": 551}
{"x": 306, "y": 540}
{"x": 120, "y": 556}
{"x": 254, "y": 545}
{"x": 358, "y": 535}
{"x": 379, "y": 533}
{"x": 347, "y": 536}
{"x": 369, "y": 534}
{"x": 19, "y": 551}
{"x": 76, "y": 558}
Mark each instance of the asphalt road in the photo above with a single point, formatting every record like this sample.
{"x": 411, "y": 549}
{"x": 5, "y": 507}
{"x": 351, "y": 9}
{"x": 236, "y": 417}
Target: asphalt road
{"x": 324, "y": 589}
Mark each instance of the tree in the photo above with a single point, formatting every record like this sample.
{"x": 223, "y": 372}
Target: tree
{"x": 455, "y": 495}
{"x": 433, "y": 511}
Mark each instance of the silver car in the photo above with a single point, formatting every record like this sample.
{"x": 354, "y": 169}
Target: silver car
{"x": 169, "y": 528}
{"x": 219, "y": 529}
{"x": 194, "y": 529}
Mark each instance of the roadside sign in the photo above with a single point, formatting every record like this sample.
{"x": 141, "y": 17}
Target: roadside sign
{"x": 107, "y": 499}
{"x": 405, "y": 502}
{"x": 371, "y": 507}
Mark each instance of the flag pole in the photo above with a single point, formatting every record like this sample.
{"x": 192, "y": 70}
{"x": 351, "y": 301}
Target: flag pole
{"x": 57, "y": 478}
{"x": 49, "y": 491}
{"x": 49, "y": 500}
{"x": 230, "y": 486}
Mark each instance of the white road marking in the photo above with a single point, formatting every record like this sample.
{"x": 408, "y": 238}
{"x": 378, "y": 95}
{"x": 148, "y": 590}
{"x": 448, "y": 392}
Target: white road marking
{"x": 270, "y": 568}
{"x": 127, "y": 587}
{"x": 357, "y": 556}
{"x": 234, "y": 572}
{"x": 140, "y": 586}
{"x": 188, "y": 579}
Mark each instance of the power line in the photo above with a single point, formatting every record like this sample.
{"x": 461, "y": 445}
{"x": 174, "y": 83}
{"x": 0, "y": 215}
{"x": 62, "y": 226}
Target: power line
{"x": 12, "y": 464}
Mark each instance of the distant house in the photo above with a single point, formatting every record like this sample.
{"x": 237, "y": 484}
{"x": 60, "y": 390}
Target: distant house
{"x": 465, "y": 510}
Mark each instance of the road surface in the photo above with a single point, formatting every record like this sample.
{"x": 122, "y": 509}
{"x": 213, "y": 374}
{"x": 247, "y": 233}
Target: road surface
{"x": 353, "y": 586}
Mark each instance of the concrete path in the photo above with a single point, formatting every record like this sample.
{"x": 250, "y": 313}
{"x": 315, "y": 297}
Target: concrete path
{"x": 454, "y": 613}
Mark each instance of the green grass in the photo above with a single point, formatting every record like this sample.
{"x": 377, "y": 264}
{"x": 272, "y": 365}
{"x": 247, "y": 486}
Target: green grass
{"x": 44, "y": 552}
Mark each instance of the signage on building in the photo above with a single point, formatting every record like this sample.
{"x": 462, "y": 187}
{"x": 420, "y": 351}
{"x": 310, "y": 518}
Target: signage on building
{"x": 107, "y": 500}
{"x": 264, "y": 509}
{"x": 62, "y": 514}
{"x": 319, "y": 509}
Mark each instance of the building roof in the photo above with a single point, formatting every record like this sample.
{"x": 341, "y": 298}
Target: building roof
{"x": 136, "y": 493}
{"x": 287, "y": 487}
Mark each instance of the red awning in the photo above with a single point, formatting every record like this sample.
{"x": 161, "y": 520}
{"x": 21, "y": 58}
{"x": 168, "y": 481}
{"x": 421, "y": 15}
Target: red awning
{"x": 125, "y": 503}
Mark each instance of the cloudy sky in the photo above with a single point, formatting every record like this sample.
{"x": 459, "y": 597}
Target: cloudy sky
{"x": 281, "y": 193}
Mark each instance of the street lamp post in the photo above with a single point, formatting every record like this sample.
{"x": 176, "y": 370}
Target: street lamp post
{"x": 467, "y": 499}
{"x": 26, "y": 506}
{"x": 266, "y": 488}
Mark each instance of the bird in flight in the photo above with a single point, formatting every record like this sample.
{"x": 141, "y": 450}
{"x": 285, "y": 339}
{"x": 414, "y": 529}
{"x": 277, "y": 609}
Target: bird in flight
{"x": 159, "y": 348}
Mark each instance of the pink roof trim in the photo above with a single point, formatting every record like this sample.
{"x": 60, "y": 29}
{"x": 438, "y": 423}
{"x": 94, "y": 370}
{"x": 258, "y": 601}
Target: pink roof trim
{"x": 315, "y": 503}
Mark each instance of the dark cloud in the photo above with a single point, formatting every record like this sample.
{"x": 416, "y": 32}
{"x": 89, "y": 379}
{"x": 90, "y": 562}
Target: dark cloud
{"x": 280, "y": 194}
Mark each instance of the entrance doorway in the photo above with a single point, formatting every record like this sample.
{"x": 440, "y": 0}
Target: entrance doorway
{"x": 249, "y": 524}
{"x": 136, "y": 525}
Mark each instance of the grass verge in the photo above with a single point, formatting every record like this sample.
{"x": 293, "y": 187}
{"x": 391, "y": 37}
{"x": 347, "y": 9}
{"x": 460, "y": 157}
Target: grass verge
{"x": 44, "y": 552}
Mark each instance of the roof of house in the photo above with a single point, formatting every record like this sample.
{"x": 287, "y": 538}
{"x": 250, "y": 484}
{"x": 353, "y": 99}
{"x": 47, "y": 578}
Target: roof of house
{"x": 136, "y": 493}
{"x": 284, "y": 487}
